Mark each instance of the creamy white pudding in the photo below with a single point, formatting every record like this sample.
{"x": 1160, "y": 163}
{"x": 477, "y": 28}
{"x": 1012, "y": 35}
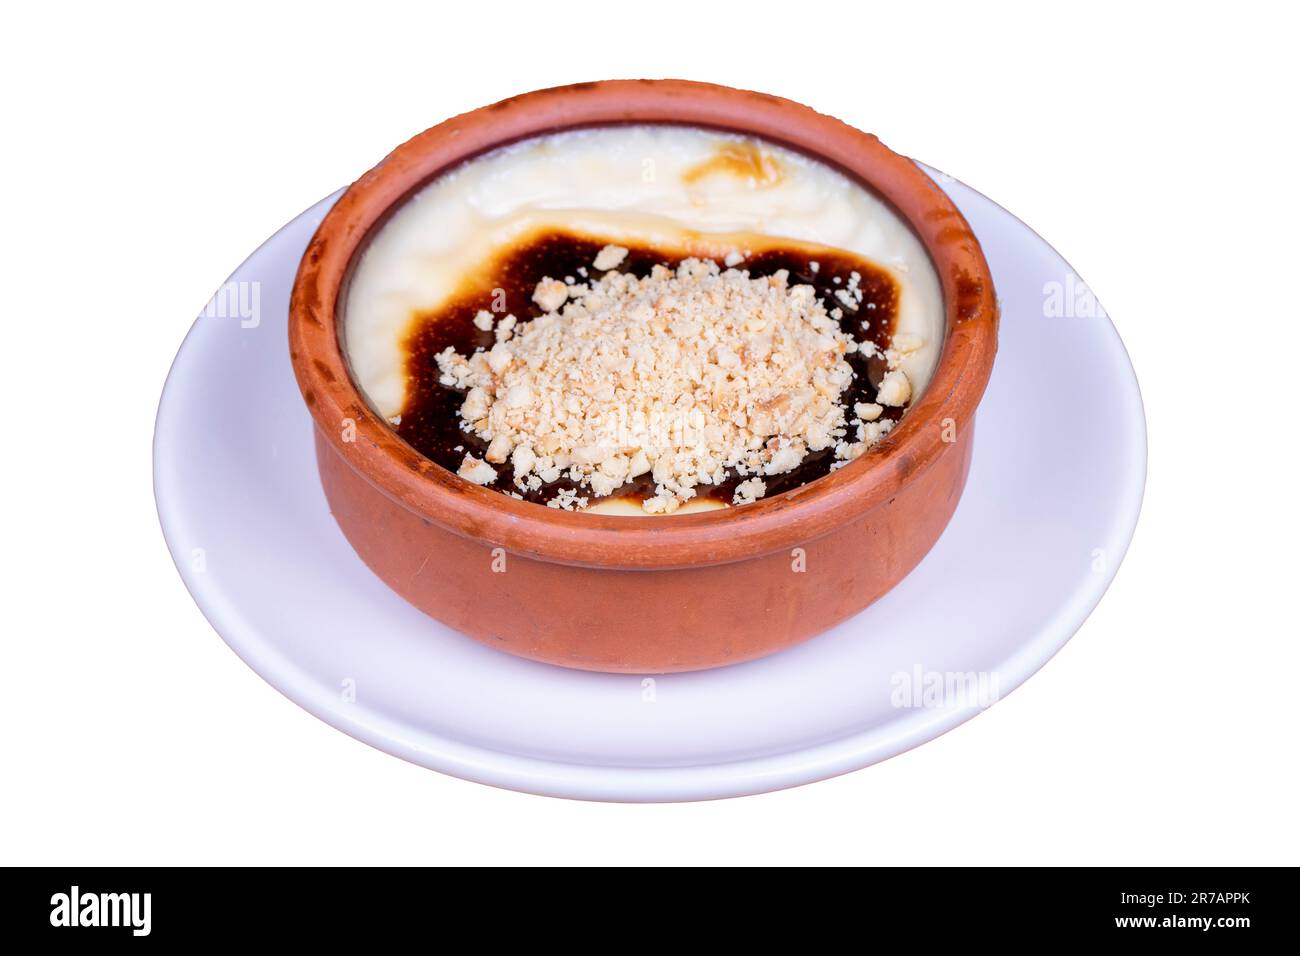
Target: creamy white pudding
{"x": 727, "y": 219}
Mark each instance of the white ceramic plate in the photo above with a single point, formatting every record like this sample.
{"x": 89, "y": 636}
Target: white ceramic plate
{"x": 1053, "y": 497}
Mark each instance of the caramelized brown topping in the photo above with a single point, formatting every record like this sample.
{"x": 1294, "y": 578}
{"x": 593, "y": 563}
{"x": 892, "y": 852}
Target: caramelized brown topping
{"x": 745, "y": 160}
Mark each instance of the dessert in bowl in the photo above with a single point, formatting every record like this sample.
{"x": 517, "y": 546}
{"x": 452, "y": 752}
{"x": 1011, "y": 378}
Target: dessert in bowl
{"x": 643, "y": 376}
{"x": 665, "y": 317}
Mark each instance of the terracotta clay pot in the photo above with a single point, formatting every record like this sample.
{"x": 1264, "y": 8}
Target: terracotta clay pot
{"x": 630, "y": 594}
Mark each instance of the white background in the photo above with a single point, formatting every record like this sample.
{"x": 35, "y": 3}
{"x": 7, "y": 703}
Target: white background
{"x": 150, "y": 149}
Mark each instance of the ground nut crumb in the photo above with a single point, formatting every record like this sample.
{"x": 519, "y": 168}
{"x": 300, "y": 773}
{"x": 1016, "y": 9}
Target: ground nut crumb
{"x": 611, "y": 257}
{"x": 483, "y": 320}
{"x": 867, "y": 411}
{"x": 499, "y": 449}
{"x": 505, "y": 328}
{"x": 523, "y": 460}
{"x": 747, "y": 492}
{"x": 550, "y": 294}
{"x": 568, "y": 500}
{"x": 660, "y": 504}
{"x": 895, "y": 389}
{"x": 477, "y": 471}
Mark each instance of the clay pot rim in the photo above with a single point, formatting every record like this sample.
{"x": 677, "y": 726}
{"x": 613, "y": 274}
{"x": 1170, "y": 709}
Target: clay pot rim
{"x": 781, "y": 522}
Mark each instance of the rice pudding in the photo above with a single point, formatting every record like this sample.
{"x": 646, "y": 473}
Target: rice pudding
{"x": 643, "y": 320}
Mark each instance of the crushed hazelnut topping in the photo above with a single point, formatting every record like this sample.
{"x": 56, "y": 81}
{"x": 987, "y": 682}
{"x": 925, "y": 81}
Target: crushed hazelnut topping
{"x": 550, "y": 294}
{"x": 611, "y": 257}
{"x": 479, "y": 472}
{"x": 690, "y": 375}
{"x": 894, "y": 389}
{"x": 749, "y": 491}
